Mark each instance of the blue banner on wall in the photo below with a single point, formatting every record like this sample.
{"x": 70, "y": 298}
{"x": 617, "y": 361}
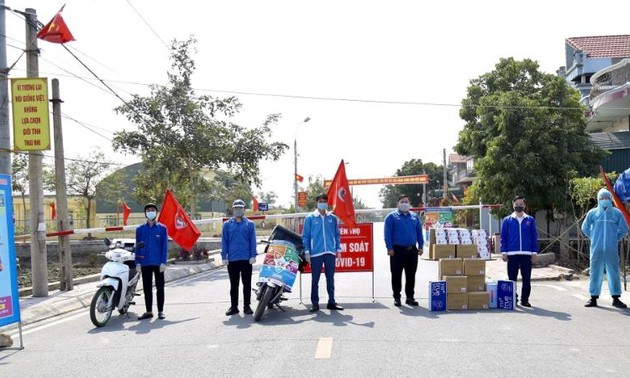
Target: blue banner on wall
{"x": 9, "y": 296}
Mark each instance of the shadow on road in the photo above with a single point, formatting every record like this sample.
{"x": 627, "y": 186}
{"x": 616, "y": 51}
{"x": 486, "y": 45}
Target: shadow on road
{"x": 140, "y": 326}
{"x": 564, "y": 316}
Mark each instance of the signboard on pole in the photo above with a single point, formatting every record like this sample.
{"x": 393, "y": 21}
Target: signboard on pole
{"x": 263, "y": 206}
{"x": 357, "y": 249}
{"x": 31, "y": 125}
{"x": 9, "y": 296}
{"x": 302, "y": 199}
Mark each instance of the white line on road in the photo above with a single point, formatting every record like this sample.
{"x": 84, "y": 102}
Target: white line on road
{"x": 56, "y": 321}
{"x": 324, "y": 348}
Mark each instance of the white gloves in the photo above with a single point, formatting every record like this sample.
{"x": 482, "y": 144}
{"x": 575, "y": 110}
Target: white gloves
{"x": 252, "y": 260}
{"x": 307, "y": 257}
{"x": 162, "y": 268}
{"x": 224, "y": 261}
{"x": 138, "y": 267}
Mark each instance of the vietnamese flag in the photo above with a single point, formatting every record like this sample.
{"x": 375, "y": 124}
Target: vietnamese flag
{"x": 340, "y": 198}
{"x": 53, "y": 210}
{"x": 56, "y": 31}
{"x": 180, "y": 227}
{"x": 618, "y": 204}
{"x": 255, "y": 206}
{"x": 126, "y": 213}
{"x": 299, "y": 178}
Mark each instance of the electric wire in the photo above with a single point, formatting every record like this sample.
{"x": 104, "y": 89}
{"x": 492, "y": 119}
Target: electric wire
{"x": 149, "y": 26}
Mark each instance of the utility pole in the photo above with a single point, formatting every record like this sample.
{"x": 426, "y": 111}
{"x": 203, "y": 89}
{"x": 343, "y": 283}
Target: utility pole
{"x": 445, "y": 194}
{"x": 39, "y": 258}
{"x": 65, "y": 254}
{"x": 5, "y": 127}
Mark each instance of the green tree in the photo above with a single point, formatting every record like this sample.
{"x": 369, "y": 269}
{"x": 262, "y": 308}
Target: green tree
{"x": 82, "y": 177}
{"x": 526, "y": 130}
{"x": 268, "y": 197}
{"x": 226, "y": 187}
{"x": 389, "y": 194}
{"x": 180, "y": 134}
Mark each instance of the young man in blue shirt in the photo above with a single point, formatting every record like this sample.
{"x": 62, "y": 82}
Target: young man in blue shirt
{"x": 322, "y": 245}
{"x": 519, "y": 246}
{"x": 238, "y": 250}
{"x": 151, "y": 259}
{"x": 404, "y": 242}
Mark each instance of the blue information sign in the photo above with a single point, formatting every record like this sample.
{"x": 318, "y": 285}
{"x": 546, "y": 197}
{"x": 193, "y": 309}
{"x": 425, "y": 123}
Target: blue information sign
{"x": 9, "y": 296}
{"x": 263, "y": 206}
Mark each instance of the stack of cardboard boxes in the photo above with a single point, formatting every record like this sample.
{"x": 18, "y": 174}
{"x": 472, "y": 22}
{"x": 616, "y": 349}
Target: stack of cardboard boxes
{"x": 465, "y": 283}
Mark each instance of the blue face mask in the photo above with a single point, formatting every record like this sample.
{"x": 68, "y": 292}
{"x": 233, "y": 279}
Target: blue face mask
{"x": 322, "y": 206}
{"x": 606, "y": 203}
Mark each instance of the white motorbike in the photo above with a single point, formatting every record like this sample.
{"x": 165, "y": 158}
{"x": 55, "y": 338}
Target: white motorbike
{"x": 118, "y": 283}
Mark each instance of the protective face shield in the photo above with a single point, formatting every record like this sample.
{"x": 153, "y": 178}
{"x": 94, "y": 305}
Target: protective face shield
{"x": 239, "y": 212}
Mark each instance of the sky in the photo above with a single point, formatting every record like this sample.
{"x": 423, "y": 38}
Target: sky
{"x": 381, "y": 81}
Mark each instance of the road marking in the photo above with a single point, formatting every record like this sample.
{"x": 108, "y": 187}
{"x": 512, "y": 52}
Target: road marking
{"x": 324, "y": 348}
{"x": 54, "y": 322}
{"x": 582, "y": 297}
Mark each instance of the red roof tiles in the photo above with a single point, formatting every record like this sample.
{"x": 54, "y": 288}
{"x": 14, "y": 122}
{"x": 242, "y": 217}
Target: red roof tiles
{"x": 605, "y": 46}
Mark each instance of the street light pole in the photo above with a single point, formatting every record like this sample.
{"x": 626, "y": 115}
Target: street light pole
{"x": 295, "y": 171}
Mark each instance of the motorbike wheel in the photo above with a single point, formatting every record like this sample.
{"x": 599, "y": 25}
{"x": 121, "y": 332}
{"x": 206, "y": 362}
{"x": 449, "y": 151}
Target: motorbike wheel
{"x": 264, "y": 301}
{"x": 99, "y": 313}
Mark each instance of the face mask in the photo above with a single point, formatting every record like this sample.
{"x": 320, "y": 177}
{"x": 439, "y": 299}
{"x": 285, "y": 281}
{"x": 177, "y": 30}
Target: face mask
{"x": 239, "y": 212}
{"x": 404, "y": 207}
{"x": 151, "y": 215}
{"x": 605, "y": 203}
{"x": 322, "y": 206}
{"x": 519, "y": 209}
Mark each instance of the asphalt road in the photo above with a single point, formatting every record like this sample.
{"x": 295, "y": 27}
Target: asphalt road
{"x": 557, "y": 337}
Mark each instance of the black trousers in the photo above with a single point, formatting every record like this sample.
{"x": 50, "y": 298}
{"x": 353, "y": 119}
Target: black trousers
{"x": 148, "y": 271}
{"x": 405, "y": 258}
{"x": 524, "y": 264}
{"x": 240, "y": 269}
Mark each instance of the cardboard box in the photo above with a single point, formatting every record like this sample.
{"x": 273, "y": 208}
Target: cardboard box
{"x": 457, "y": 301}
{"x": 476, "y": 283}
{"x": 506, "y": 295}
{"x": 442, "y": 251}
{"x": 491, "y": 289}
{"x": 478, "y": 300}
{"x": 437, "y": 296}
{"x": 466, "y": 251}
{"x": 474, "y": 267}
{"x": 456, "y": 284}
{"x": 450, "y": 267}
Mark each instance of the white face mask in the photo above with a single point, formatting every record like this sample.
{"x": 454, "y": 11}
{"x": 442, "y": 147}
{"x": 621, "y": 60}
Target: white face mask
{"x": 151, "y": 215}
{"x": 239, "y": 212}
{"x": 404, "y": 206}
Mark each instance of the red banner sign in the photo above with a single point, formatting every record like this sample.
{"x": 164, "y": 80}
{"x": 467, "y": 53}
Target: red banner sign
{"x": 357, "y": 249}
{"x": 396, "y": 180}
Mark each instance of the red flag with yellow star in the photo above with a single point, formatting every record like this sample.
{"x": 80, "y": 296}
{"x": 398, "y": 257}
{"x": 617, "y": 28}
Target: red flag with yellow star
{"x": 56, "y": 31}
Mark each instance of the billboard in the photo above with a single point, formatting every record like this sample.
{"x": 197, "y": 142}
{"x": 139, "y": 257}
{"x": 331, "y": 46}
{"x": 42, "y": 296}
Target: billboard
{"x": 357, "y": 249}
{"x": 31, "y": 125}
{"x": 9, "y": 296}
